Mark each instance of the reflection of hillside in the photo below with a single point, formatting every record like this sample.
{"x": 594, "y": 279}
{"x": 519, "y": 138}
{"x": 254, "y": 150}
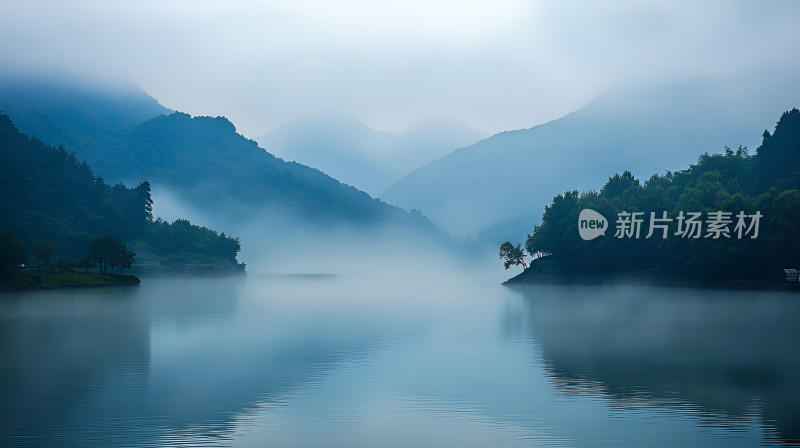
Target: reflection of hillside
{"x": 730, "y": 353}
{"x": 139, "y": 367}
{"x": 52, "y": 346}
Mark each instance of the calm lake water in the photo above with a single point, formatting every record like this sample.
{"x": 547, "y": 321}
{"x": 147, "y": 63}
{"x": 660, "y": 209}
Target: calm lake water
{"x": 353, "y": 361}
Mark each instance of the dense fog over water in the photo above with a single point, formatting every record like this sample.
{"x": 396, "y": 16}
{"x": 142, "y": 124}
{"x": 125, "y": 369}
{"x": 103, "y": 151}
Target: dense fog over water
{"x": 274, "y": 241}
{"x": 397, "y": 352}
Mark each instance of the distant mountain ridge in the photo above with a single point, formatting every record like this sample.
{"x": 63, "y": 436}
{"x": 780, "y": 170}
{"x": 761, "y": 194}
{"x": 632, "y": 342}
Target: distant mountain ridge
{"x": 360, "y": 156}
{"x": 514, "y": 174}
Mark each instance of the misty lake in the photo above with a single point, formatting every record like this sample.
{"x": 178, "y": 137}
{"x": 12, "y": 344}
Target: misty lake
{"x": 397, "y": 361}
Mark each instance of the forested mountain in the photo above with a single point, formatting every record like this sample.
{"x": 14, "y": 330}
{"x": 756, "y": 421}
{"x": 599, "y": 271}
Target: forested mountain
{"x": 90, "y": 118}
{"x": 206, "y": 162}
{"x": 358, "y": 155}
{"x": 644, "y": 130}
{"x": 48, "y": 195}
{"x": 732, "y": 216}
{"x": 202, "y": 159}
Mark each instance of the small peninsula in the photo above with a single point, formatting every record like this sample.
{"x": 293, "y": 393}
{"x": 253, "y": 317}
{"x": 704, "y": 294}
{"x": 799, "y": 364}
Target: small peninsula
{"x": 730, "y": 219}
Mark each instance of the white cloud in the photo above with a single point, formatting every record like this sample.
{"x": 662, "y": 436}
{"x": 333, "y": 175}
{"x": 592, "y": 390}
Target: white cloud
{"x": 496, "y": 65}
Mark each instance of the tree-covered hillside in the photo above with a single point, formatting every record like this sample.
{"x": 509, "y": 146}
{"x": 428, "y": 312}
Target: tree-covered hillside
{"x": 210, "y": 165}
{"x": 128, "y": 137}
{"x": 91, "y": 118}
{"x": 731, "y": 215}
{"x": 181, "y": 246}
{"x": 49, "y": 196}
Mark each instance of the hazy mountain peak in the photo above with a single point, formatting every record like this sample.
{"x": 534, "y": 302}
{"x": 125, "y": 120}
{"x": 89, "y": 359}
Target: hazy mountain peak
{"x": 323, "y": 122}
{"x": 358, "y": 155}
{"x": 442, "y": 125}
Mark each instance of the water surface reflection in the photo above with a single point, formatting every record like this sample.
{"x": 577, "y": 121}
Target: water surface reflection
{"x": 423, "y": 360}
{"x": 727, "y": 355}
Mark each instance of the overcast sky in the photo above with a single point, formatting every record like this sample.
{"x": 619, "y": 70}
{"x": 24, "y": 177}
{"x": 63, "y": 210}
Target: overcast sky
{"x": 495, "y": 65}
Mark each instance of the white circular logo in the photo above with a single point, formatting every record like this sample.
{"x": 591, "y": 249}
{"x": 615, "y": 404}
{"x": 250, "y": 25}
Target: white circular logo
{"x": 591, "y": 224}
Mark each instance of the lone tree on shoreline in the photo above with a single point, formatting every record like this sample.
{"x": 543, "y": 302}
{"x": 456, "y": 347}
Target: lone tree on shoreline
{"x": 512, "y": 255}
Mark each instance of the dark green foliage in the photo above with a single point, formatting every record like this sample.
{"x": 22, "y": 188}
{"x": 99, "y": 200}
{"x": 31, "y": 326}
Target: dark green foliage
{"x": 108, "y": 251}
{"x": 180, "y": 244}
{"x": 49, "y": 195}
{"x": 733, "y": 182}
{"x": 51, "y": 198}
{"x": 44, "y": 252}
{"x": 64, "y": 264}
{"x": 776, "y": 155}
{"x": 12, "y": 252}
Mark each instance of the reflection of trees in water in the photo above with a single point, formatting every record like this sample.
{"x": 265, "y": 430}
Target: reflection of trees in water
{"x": 52, "y": 345}
{"x": 85, "y": 368}
{"x": 725, "y": 356}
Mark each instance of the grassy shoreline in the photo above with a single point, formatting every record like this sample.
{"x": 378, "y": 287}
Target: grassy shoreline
{"x": 47, "y": 278}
